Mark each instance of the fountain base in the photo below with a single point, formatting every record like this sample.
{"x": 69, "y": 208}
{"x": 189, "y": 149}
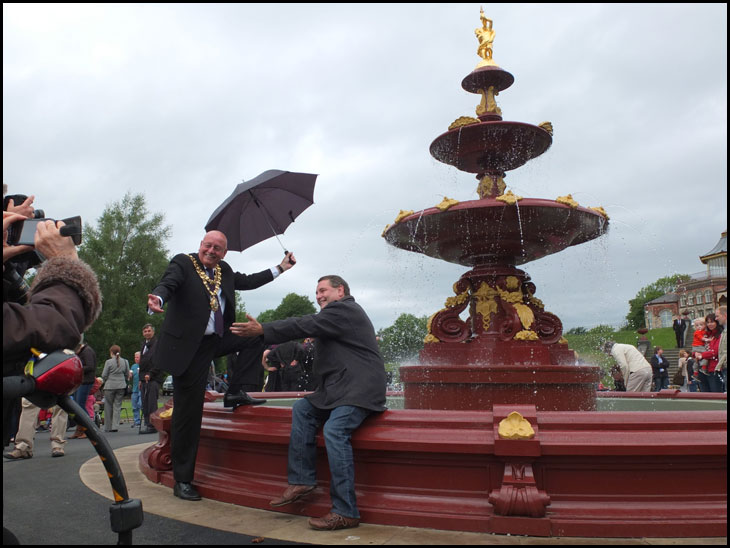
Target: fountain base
{"x": 474, "y": 387}
{"x": 485, "y": 371}
{"x": 587, "y": 474}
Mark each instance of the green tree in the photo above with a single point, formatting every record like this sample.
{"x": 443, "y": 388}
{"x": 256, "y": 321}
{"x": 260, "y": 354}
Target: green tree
{"x": 404, "y": 339}
{"x": 635, "y": 317}
{"x": 292, "y": 305}
{"x": 240, "y": 310}
{"x": 127, "y": 251}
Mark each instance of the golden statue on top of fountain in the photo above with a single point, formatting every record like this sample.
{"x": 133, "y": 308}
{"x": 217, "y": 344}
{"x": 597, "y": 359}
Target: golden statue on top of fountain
{"x": 485, "y": 34}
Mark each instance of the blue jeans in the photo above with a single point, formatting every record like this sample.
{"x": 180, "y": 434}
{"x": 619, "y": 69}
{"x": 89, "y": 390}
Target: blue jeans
{"x": 339, "y": 423}
{"x": 81, "y": 395}
{"x": 715, "y": 383}
{"x": 137, "y": 406}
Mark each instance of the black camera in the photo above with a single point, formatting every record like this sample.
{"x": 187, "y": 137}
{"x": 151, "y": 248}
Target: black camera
{"x": 23, "y": 232}
{"x": 15, "y": 289}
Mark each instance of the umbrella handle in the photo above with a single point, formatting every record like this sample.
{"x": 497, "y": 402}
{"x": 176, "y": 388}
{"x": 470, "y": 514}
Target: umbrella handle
{"x": 291, "y": 261}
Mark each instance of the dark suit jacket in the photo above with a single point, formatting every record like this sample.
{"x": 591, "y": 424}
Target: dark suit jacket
{"x": 148, "y": 363}
{"x": 88, "y": 360}
{"x": 348, "y": 365}
{"x": 660, "y": 363}
{"x": 188, "y": 309}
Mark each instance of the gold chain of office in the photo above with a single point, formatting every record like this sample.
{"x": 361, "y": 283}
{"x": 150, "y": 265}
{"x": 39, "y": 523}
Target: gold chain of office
{"x": 211, "y": 286}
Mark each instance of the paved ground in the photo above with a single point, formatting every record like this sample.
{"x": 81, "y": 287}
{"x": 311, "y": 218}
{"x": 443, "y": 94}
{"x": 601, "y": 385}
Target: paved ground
{"x": 66, "y": 501}
{"x": 45, "y": 502}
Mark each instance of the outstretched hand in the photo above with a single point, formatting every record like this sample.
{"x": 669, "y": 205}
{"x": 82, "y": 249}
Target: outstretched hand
{"x": 153, "y": 303}
{"x": 251, "y": 328}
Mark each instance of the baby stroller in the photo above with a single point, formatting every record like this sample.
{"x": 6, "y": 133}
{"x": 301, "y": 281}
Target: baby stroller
{"x": 99, "y": 413}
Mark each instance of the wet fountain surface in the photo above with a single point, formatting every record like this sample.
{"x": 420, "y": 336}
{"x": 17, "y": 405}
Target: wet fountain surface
{"x": 499, "y": 431}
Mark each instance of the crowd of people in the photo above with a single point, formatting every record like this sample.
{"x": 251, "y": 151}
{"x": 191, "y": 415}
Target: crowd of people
{"x": 704, "y": 369}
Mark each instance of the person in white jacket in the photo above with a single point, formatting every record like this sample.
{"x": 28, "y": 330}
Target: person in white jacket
{"x": 635, "y": 369}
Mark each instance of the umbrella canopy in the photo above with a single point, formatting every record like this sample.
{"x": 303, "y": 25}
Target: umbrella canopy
{"x": 263, "y": 207}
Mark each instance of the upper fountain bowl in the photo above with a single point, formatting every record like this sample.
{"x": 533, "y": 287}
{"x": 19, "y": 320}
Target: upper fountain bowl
{"x": 491, "y": 146}
{"x": 489, "y": 231}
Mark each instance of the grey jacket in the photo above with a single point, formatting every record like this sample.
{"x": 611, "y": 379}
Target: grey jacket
{"x": 115, "y": 375}
{"x": 348, "y": 364}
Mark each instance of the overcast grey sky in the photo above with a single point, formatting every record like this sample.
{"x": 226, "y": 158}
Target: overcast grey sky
{"x": 182, "y": 102}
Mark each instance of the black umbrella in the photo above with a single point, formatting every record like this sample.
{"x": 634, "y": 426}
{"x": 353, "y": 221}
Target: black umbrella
{"x": 263, "y": 207}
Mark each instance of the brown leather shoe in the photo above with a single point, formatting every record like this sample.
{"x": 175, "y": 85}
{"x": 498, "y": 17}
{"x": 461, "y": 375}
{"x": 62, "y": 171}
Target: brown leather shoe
{"x": 332, "y": 522}
{"x": 292, "y": 494}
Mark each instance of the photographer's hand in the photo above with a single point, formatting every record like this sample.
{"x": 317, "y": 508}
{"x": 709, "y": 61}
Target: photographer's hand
{"x": 10, "y": 251}
{"x": 25, "y": 209}
{"x": 50, "y": 243}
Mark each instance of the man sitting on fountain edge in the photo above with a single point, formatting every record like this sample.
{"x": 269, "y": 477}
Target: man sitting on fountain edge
{"x": 351, "y": 385}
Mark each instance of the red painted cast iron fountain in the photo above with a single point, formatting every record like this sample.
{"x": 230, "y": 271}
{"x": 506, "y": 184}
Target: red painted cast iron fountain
{"x": 500, "y": 431}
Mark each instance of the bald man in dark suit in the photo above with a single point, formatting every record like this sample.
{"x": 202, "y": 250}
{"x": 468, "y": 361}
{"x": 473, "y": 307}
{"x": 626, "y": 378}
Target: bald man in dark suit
{"x": 199, "y": 292}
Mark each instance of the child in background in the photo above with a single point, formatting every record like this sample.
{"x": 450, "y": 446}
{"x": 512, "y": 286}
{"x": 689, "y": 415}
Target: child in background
{"x": 91, "y": 400}
{"x": 699, "y": 344}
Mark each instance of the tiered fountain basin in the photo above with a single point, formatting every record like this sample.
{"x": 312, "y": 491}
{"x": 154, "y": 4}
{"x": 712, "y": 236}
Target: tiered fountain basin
{"x": 588, "y": 474}
{"x": 494, "y": 146}
{"x": 490, "y": 231}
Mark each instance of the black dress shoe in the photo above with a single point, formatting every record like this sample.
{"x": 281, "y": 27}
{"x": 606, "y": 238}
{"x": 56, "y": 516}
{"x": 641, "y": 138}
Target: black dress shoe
{"x": 240, "y": 398}
{"x": 185, "y": 491}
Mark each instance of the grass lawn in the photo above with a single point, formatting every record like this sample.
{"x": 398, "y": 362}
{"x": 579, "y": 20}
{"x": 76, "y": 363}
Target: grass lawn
{"x": 126, "y": 413}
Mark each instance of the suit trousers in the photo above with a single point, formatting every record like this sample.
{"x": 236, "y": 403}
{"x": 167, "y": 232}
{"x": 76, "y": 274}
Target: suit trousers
{"x": 149, "y": 394}
{"x": 189, "y": 396}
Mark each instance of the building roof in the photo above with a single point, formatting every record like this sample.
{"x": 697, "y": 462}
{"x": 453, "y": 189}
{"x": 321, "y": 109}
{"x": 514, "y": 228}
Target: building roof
{"x": 717, "y": 251}
{"x": 666, "y": 298}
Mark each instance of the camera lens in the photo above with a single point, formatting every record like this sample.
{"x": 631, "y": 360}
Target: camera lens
{"x": 39, "y": 214}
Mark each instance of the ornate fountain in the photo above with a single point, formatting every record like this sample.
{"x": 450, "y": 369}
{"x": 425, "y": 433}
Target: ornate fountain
{"x": 500, "y": 432}
{"x": 509, "y": 348}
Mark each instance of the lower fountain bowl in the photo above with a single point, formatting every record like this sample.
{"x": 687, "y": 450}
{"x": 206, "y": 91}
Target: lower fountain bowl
{"x": 491, "y": 231}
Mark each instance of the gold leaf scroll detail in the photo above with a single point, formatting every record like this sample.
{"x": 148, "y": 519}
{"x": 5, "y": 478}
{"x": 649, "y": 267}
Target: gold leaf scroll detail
{"x": 526, "y": 335}
{"x": 487, "y": 189}
{"x": 402, "y": 215}
{"x": 488, "y": 104}
{"x": 462, "y": 121}
{"x": 526, "y": 315}
{"x": 486, "y": 303}
{"x": 446, "y": 203}
{"x": 451, "y": 302}
{"x": 567, "y": 200}
{"x": 601, "y": 211}
{"x": 547, "y": 126}
{"x": 509, "y": 198}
